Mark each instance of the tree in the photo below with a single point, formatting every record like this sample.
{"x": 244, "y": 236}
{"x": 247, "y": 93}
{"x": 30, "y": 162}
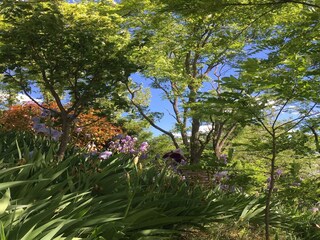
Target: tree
{"x": 271, "y": 86}
{"x": 74, "y": 49}
{"x": 284, "y": 34}
{"x": 207, "y": 6}
{"x": 182, "y": 54}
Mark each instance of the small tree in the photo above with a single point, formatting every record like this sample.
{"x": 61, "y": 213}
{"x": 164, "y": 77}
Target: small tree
{"x": 76, "y": 50}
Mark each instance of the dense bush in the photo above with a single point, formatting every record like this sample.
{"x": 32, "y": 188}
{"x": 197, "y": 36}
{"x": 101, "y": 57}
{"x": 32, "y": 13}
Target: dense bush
{"x": 89, "y": 129}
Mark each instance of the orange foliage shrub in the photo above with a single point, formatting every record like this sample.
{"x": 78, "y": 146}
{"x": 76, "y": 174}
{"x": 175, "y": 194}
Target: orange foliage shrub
{"x": 88, "y": 129}
{"x": 19, "y": 117}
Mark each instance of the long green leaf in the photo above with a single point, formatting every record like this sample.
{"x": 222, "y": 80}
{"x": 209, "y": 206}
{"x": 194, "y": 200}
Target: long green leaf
{"x": 7, "y": 185}
{"x": 5, "y": 201}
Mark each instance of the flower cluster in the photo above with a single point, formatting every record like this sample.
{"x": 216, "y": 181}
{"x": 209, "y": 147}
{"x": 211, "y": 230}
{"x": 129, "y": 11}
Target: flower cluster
{"x": 39, "y": 127}
{"x": 124, "y": 144}
{"x": 277, "y": 174}
{"x": 220, "y": 177}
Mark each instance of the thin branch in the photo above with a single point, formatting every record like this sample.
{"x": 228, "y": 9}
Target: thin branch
{"x": 52, "y": 90}
{"x": 227, "y": 135}
{"x": 187, "y": 63}
{"x": 208, "y": 137}
{"x": 218, "y": 59}
{"x": 271, "y": 3}
{"x": 279, "y": 113}
{"x": 28, "y": 95}
{"x": 151, "y": 122}
{"x": 209, "y": 68}
{"x": 259, "y": 120}
{"x": 166, "y": 92}
{"x": 300, "y": 119}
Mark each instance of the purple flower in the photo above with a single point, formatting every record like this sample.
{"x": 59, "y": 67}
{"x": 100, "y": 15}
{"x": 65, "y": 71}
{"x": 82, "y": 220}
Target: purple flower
{"x": 40, "y": 128}
{"x": 224, "y": 157}
{"x": 224, "y": 187}
{"x": 219, "y": 176}
{"x": 36, "y": 120}
{"x": 127, "y": 138}
{"x": 105, "y": 155}
{"x": 127, "y": 145}
{"x": 119, "y": 136}
{"x": 55, "y": 134}
{"x": 78, "y": 130}
{"x": 143, "y": 147}
{"x": 279, "y": 172}
{"x": 45, "y": 113}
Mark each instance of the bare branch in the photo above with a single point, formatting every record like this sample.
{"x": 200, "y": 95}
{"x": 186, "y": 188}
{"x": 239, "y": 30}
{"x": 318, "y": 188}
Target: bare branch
{"x": 53, "y": 92}
{"x": 228, "y": 133}
{"x": 151, "y": 122}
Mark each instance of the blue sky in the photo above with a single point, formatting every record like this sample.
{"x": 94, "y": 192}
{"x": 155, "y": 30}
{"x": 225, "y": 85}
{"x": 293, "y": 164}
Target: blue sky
{"x": 157, "y": 104}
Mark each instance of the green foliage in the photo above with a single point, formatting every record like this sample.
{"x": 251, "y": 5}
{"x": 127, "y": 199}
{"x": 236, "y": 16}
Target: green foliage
{"x": 89, "y": 199}
{"x": 79, "y": 48}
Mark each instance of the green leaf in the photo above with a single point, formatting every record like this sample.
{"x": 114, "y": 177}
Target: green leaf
{"x": 5, "y": 201}
{"x": 2, "y": 234}
{"x": 6, "y": 185}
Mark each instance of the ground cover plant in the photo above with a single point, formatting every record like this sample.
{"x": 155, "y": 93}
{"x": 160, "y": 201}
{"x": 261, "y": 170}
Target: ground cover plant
{"x": 85, "y": 198}
{"x": 89, "y": 198}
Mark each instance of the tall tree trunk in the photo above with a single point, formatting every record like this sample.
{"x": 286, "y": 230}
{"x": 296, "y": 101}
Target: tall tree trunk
{"x": 216, "y": 139}
{"x": 270, "y": 187}
{"x": 195, "y": 146}
{"x": 65, "y": 137}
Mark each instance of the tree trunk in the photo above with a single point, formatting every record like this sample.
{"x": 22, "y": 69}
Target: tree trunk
{"x": 195, "y": 148}
{"x": 66, "y": 129}
{"x": 217, "y": 150}
{"x": 270, "y": 188}
{"x": 316, "y": 138}
{"x": 217, "y": 147}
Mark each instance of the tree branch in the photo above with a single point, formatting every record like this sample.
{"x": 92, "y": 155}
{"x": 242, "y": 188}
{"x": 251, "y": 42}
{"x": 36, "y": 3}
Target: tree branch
{"x": 271, "y": 3}
{"x": 300, "y": 119}
{"x": 151, "y": 122}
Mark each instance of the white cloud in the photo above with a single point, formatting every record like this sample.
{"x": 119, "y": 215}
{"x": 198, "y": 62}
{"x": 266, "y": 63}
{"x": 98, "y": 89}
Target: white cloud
{"x": 22, "y": 98}
{"x": 205, "y": 128}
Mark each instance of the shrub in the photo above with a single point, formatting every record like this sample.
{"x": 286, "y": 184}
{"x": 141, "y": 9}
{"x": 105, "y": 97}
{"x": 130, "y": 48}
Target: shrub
{"x": 89, "y": 127}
